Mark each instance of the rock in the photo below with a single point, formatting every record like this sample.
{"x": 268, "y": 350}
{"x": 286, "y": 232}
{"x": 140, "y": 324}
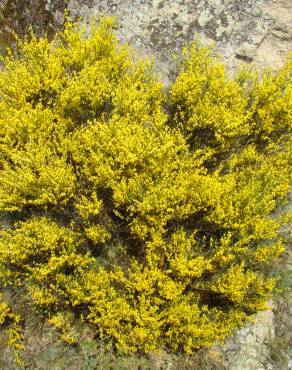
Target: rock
{"x": 278, "y": 39}
{"x": 264, "y": 326}
{"x": 205, "y": 18}
{"x": 244, "y": 31}
{"x": 156, "y": 3}
{"x": 244, "y": 331}
{"x": 248, "y": 349}
{"x": 246, "y": 52}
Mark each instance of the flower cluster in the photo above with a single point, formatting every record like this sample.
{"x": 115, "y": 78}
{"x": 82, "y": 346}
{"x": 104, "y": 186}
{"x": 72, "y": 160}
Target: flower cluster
{"x": 10, "y": 321}
{"x": 146, "y": 213}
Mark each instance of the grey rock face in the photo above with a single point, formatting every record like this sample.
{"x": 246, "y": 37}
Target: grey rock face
{"x": 258, "y": 31}
{"x": 247, "y": 350}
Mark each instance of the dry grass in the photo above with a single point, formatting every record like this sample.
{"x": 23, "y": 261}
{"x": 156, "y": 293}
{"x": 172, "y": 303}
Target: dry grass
{"x": 281, "y": 346}
{"x": 44, "y": 350}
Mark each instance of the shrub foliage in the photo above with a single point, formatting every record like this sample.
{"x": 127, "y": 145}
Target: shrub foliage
{"x": 145, "y": 213}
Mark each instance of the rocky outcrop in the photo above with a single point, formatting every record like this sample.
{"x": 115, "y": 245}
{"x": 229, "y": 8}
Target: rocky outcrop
{"x": 277, "y": 41}
{"x": 258, "y": 31}
{"x": 249, "y": 349}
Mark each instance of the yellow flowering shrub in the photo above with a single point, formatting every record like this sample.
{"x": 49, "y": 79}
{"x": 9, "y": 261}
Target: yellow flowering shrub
{"x": 10, "y": 322}
{"x": 145, "y": 213}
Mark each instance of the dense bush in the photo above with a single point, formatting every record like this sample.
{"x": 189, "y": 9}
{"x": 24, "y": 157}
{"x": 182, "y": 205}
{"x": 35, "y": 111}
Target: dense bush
{"x": 145, "y": 213}
{"x": 10, "y": 322}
